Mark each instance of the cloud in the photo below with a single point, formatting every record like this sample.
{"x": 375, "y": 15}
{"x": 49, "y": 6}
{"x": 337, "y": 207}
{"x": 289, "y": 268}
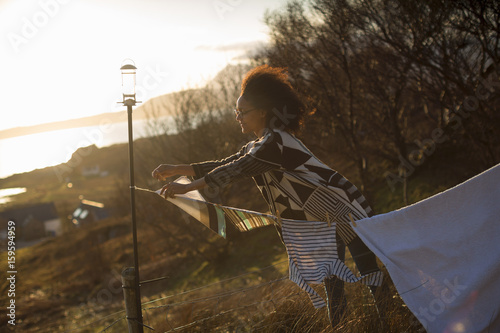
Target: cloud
{"x": 241, "y": 52}
{"x": 242, "y": 46}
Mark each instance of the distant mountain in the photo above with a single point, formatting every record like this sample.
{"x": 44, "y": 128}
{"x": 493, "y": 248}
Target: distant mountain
{"x": 58, "y": 125}
{"x": 110, "y": 117}
{"x": 154, "y": 107}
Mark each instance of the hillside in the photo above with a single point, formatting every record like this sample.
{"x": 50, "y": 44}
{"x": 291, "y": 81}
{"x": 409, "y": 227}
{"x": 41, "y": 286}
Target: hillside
{"x": 64, "y": 282}
{"x": 74, "y": 279}
{"x": 62, "y": 276}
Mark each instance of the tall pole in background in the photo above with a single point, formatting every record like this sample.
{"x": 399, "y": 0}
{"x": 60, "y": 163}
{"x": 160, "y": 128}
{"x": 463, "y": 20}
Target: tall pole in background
{"x": 128, "y": 82}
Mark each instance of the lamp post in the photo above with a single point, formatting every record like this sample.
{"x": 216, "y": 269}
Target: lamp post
{"x": 128, "y": 84}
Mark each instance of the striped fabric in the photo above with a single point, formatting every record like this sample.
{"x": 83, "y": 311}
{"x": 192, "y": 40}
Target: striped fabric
{"x": 243, "y": 167}
{"x": 312, "y": 255}
{"x": 214, "y": 216}
{"x": 323, "y": 202}
{"x": 245, "y": 220}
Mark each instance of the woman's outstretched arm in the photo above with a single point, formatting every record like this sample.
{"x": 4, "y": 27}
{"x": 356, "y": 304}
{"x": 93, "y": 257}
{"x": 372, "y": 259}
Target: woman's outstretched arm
{"x": 197, "y": 170}
{"x": 202, "y": 168}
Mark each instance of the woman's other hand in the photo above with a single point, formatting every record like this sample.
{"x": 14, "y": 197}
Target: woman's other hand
{"x": 172, "y": 188}
{"x": 163, "y": 171}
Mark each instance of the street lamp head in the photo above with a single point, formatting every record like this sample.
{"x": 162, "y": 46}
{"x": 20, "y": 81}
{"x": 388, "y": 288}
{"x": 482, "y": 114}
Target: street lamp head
{"x": 128, "y": 70}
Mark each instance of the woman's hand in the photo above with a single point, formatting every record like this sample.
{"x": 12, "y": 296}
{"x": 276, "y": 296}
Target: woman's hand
{"x": 168, "y": 170}
{"x": 172, "y": 188}
{"x": 164, "y": 171}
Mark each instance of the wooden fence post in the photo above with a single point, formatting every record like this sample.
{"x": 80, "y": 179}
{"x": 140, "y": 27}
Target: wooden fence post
{"x": 128, "y": 285}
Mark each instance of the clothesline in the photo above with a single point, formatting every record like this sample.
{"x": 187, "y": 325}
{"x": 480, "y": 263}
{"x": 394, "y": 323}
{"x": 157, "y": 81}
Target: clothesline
{"x": 275, "y": 218}
{"x": 311, "y": 245}
{"x": 458, "y": 227}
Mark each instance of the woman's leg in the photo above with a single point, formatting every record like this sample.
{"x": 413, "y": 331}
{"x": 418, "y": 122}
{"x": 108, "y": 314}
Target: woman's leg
{"x": 334, "y": 289}
{"x": 366, "y": 262}
{"x": 363, "y": 257}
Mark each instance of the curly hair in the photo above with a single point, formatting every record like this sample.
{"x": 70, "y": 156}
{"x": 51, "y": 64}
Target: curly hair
{"x": 269, "y": 88}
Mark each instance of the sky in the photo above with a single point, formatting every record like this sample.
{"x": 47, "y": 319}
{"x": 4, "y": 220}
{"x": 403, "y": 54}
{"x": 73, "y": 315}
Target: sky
{"x": 61, "y": 59}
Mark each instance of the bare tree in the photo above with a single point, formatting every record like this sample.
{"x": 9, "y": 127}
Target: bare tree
{"x": 388, "y": 77}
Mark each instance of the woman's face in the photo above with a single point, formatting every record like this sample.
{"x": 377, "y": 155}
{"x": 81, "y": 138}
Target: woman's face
{"x": 250, "y": 118}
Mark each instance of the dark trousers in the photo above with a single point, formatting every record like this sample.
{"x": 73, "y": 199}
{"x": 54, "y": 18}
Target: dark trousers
{"x": 366, "y": 263}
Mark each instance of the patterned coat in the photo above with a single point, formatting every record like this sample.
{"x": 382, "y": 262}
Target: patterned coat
{"x": 292, "y": 180}
{"x": 297, "y": 186}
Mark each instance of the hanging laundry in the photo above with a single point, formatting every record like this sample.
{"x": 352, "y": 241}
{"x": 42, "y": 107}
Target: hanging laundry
{"x": 312, "y": 255}
{"x": 214, "y": 216}
{"x": 443, "y": 255}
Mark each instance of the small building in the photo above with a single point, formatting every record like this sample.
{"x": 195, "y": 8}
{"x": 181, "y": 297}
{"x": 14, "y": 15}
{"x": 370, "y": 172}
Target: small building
{"x": 89, "y": 212}
{"x": 94, "y": 171}
{"x": 34, "y": 221}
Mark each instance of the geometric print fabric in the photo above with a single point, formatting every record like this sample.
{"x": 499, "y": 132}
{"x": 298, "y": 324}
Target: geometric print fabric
{"x": 295, "y": 184}
{"x": 304, "y": 187}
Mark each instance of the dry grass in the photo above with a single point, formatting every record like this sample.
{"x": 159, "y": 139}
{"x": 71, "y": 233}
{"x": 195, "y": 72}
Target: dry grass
{"x": 283, "y": 309}
{"x": 61, "y": 279}
{"x": 61, "y": 286}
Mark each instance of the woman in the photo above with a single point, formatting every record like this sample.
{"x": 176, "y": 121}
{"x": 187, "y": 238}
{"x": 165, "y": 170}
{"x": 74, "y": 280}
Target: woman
{"x": 295, "y": 184}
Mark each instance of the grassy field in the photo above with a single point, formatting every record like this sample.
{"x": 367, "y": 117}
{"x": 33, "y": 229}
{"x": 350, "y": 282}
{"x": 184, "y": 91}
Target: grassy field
{"x": 72, "y": 282}
{"x": 69, "y": 282}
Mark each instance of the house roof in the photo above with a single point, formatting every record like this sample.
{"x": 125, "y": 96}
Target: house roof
{"x": 41, "y": 212}
{"x": 92, "y": 203}
{"x": 87, "y": 206}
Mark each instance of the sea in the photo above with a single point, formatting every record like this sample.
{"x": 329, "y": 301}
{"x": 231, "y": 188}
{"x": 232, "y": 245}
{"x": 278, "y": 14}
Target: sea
{"x": 35, "y": 151}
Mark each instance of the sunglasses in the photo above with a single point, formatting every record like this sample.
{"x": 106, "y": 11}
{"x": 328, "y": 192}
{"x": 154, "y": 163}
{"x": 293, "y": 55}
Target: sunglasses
{"x": 242, "y": 113}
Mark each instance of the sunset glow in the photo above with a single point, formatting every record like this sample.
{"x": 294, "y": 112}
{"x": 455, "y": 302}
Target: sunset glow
{"x": 61, "y": 60}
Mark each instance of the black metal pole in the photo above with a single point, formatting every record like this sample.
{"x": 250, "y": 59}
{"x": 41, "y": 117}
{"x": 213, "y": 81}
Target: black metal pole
{"x": 129, "y": 103}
